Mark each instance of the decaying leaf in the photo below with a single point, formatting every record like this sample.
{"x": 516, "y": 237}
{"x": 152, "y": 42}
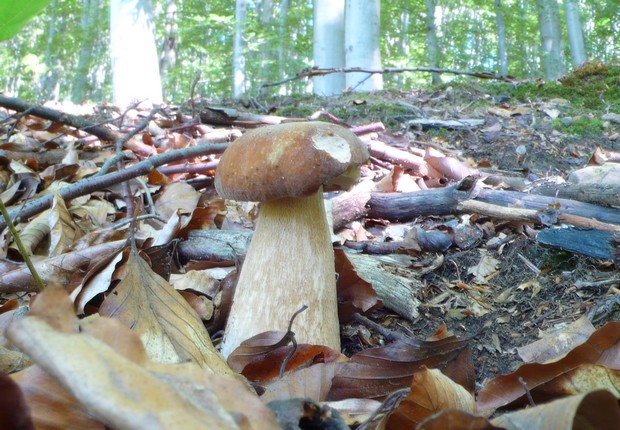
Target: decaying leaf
{"x": 431, "y": 392}
{"x": 601, "y": 348}
{"x": 169, "y": 328}
{"x": 375, "y": 373}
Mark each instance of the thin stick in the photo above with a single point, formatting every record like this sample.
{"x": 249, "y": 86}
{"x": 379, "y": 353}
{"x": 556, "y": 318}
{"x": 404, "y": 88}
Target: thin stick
{"x": 22, "y": 249}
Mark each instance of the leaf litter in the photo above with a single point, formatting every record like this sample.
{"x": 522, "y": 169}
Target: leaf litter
{"x": 495, "y": 286}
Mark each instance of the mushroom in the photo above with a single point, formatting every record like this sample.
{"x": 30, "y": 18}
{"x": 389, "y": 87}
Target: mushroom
{"x": 290, "y": 260}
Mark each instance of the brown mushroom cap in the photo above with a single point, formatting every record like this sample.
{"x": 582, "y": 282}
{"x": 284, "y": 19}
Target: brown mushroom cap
{"x": 288, "y": 160}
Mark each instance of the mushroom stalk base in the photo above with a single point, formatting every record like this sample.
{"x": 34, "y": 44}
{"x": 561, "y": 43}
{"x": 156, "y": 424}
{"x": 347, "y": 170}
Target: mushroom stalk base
{"x": 289, "y": 263}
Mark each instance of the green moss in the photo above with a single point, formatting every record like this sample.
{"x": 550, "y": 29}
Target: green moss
{"x": 581, "y": 126}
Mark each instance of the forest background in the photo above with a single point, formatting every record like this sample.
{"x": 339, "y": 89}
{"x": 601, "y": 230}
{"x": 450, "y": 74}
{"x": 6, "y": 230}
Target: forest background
{"x": 64, "y": 52}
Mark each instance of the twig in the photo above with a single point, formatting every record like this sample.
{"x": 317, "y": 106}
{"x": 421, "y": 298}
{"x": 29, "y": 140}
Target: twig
{"x": 22, "y": 249}
{"x": 290, "y": 336}
{"x": 61, "y": 117}
{"x": 315, "y": 71}
{"x": 87, "y": 186}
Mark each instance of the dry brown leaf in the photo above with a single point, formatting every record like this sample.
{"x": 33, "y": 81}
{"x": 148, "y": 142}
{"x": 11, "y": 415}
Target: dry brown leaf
{"x": 431, "y": 392}
{"x": 96, "y": 281}
{"x": 259, "y": 358}
{"x": 52, "y": 406}
{"x": 167, "y": 325}
{"x": 63, "y": 231}
{"x": 12, "y": 361}
{"x": 603, "y": 348}
{"x": 557, "y": 343}
{"x": 175, "y": 196}
{"x": 486, "y": 267}
{"x": 355, "y": 295}
{"x": 457, "y": 420}
{"x": 311, "y": 383}
{"x": 595, "y": 410}
{"x": 375, "y": 373}
{"x": 134, "y": 398}
{"x": 34, "y": 232}
{"x": 14, "y": 412}
{"x": 61, "y": 269}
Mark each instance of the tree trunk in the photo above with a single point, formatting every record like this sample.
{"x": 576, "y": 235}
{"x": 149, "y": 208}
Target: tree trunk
{"x": 432, "y": 47}
{"x": 575, "y": 35}
{"x": 49, "y": 84}
{"x": 135, "y": 64}
{"x": 501, "y": 37}
{"x": 283, "y": 31}
{"x": 362, "y": 40}
{"x": 79, "y": 88}
{"x": 267, "y": 48}
{"x": 239, "y": 49}
{"x": 551, "y": 38}
{"x": 169, "y": 49}
{"x": 328, "y": 45}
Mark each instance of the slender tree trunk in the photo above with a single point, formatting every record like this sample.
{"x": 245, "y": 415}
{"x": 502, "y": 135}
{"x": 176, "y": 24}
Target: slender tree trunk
{"x": 328, "y": 45}
{"x": 575, "y": 34}
{"x": 362, "y": 43}
{"x": 79, "y": 88}
{"x": 267, "y": 48}
{"x": 501, "y": 37}
{"x": 551, "y": 38}
{"x": 239, "y": 49}
{"x": 283, "y": 31}
{"x": 135, "y": 63}
{"x": 169, "y": 49}
{"x": 49, "y": 84}
{"x": 432, "y": 47}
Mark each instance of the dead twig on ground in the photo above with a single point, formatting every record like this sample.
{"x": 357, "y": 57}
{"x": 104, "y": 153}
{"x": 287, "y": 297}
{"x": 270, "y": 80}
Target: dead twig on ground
{"x": 315, "y": 71}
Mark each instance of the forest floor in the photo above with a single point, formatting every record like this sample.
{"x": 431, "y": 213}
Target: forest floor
{"x": 530, "y": 131}
{"x": 482, "y": 275}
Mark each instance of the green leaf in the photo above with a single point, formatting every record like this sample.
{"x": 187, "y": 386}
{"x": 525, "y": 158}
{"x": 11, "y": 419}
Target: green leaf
{"x": 15, "y": 13}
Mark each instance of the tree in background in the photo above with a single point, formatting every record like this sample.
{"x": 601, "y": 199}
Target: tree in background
{"x": 575, "y": 35}
{"x": 362, "y": 35}
{"x": 328, "y": 45}
{"x": 432, "y": 47}
{"x": 239, "y": 48}
{"x": 198, "y": 36}
{"x": 133, "y": 52}
{"x": 502, "y": 54}
{"x": 550, "y": 38}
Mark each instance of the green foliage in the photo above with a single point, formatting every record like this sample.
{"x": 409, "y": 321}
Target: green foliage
{"x": 14, "y": 14}
{"x": 64, "y": 54}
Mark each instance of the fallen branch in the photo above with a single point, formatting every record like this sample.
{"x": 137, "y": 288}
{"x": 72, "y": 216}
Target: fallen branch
{"x": 78, "y": 122}
{"x": 89, "y": 185}
{"x": 315, "y": 71}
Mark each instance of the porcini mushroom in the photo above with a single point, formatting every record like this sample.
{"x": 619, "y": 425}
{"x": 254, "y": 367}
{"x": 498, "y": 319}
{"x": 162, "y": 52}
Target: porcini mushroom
{"x": 290, "y": 260}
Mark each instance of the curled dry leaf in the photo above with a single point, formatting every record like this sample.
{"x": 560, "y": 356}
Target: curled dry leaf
{"x": 595, "y": 410}
{"x": 260, "y": 357}
{"x": 375, "y": 373}
{"x": 134, "y": 397}
{"x": 60, "y": 269}
{"x": 354, "y": 293}
{"x": 453, "y": 419}
{"x": 431, "y": 392}
{"x": 175, "y": 196}
{"x": 601, "y": 348}
{"x": 52, "y": 406}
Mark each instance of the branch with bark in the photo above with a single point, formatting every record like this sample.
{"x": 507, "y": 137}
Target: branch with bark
{"x": 78, "y": 122}
{"x": 315, "y": 71}
{"x": 89, "y": 185}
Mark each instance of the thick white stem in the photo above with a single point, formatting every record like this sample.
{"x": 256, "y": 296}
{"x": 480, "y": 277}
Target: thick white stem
{"x": 289, "y": 263}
